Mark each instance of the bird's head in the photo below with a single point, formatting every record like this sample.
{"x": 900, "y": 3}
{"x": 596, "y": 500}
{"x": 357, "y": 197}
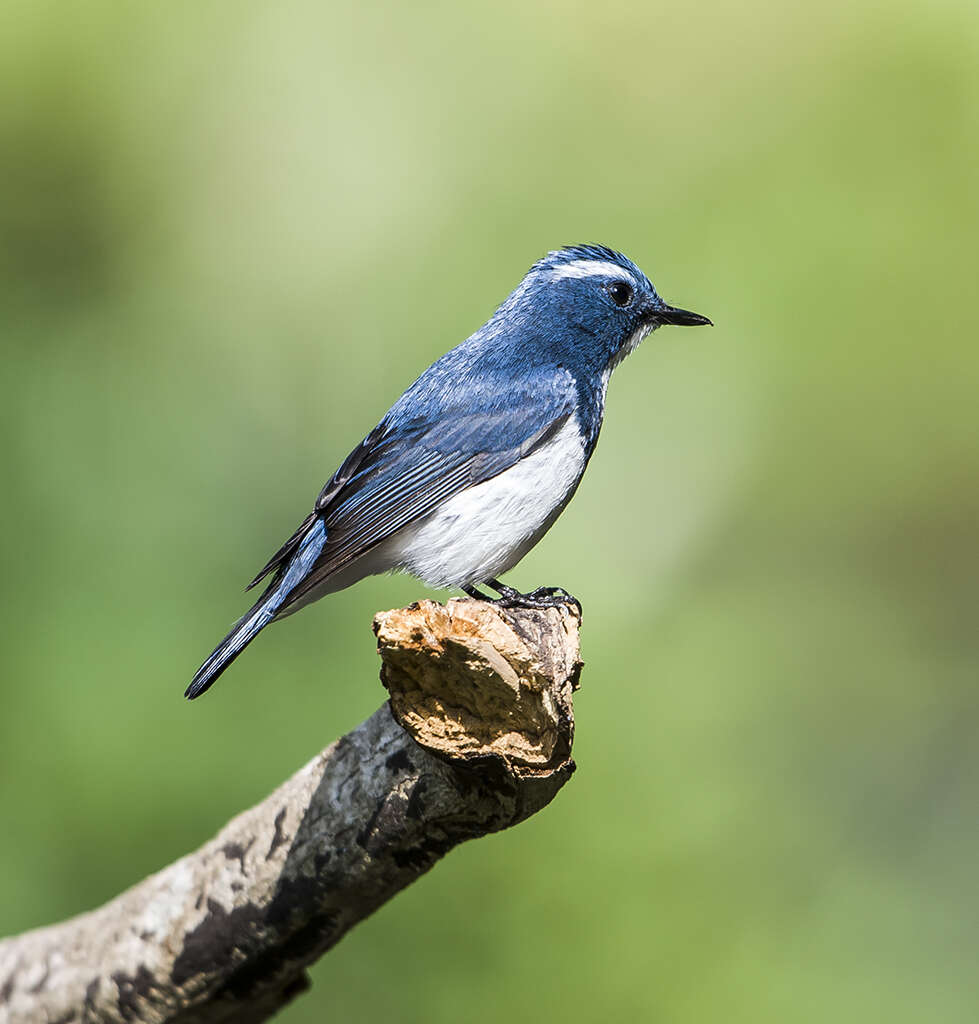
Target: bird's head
{"x": 593, "y": 305}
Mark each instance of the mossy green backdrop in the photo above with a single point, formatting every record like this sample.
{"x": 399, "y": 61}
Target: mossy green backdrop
{"x": 231, "y": 234}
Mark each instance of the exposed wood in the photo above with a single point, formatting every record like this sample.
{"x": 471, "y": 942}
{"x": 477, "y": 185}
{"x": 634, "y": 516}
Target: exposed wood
{"x": 477, "y": 737}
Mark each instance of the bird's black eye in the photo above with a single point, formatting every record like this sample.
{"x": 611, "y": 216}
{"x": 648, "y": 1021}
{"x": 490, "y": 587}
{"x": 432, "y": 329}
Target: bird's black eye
{"x": 621, "y": 293}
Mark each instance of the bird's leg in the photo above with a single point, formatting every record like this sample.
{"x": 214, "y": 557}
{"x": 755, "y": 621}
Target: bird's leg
{"x": 542, "y": 597}
{"x": 477, "y": 594}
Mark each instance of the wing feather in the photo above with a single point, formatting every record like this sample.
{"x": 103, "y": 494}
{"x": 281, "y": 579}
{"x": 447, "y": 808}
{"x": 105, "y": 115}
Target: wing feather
{"x": 402, "y": 471}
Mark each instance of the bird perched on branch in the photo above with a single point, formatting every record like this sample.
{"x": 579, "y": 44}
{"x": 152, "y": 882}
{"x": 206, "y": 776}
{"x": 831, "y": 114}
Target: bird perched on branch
{"x": 477, "y": 459}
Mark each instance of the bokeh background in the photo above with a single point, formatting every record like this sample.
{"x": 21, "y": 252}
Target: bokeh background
{"x": 231, "y": 234}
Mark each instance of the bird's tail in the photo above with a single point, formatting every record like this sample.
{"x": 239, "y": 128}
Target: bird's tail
{"x": 261, "y": 613}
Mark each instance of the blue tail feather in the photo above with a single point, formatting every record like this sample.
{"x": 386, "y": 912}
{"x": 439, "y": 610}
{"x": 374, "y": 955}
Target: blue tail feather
{"x": 261, "y": 613}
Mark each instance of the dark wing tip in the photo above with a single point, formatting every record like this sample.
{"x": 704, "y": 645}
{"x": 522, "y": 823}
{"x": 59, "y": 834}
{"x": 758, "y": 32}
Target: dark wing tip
{"x": 269, "y": 566}
{"x": 284, "y": 553}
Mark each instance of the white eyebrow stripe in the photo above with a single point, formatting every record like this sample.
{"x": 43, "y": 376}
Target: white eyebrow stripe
{"x": 588, "y": 268}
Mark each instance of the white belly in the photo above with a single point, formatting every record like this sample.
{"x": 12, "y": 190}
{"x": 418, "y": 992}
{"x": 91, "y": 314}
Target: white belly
{"x": 485, "y": 530}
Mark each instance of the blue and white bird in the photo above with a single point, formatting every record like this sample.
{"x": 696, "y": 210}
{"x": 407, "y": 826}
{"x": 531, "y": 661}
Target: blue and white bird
{"x": 477, "y": 459}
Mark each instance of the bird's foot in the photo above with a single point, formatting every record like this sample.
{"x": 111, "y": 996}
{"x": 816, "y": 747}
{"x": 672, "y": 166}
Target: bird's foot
{"x": 542, "y": 597}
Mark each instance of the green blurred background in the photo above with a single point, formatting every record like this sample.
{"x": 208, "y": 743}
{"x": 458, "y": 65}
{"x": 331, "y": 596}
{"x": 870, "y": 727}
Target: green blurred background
{"x": 231, "y": 234}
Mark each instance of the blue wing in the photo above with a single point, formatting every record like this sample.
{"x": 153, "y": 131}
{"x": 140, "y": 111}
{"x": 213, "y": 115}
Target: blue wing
{"x": 428, "y": 448}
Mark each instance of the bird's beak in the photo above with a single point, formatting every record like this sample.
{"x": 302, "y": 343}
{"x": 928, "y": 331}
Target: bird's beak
{"x": 679, "y": 317}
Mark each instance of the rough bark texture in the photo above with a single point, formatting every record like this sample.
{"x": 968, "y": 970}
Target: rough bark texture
{"x": 476, "y": 737}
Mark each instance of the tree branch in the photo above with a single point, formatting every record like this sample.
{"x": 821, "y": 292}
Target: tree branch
{"x": 476, "y": 737}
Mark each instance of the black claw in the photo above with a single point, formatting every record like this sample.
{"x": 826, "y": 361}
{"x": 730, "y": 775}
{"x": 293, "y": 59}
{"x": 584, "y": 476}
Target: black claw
{"x": 542, "y": 597}
{"x": 555, "y": 597}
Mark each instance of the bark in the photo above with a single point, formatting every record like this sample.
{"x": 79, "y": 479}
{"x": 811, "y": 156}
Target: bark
{"x": 476, "y": 737}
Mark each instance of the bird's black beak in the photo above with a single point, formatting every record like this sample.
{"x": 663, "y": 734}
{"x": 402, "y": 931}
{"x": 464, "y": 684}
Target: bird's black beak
{"x": 678, "y": 317}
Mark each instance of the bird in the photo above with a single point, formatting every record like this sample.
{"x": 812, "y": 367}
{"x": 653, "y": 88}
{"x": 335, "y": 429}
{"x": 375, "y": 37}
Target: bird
{"x": 473, "y": 464}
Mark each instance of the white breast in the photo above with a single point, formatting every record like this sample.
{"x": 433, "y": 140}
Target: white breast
{"x": 484, "y": 531}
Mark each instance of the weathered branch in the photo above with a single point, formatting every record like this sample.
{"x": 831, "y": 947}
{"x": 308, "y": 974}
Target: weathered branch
{"x": 476, "y": 737}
